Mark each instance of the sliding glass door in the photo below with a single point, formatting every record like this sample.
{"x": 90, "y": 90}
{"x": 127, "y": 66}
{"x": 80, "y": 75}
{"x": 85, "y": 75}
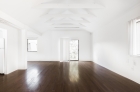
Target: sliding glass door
{"x": 74, "y": 50}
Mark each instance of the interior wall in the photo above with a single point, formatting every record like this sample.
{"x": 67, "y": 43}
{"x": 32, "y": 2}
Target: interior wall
{"x": 64, "y": 49}
{"x": 49, "y": 49}
{"x": 22, "y": 50}
{"x": 111, "y": 46}
{"x": 11, "y": 48}
{"x": 1, "y": 34}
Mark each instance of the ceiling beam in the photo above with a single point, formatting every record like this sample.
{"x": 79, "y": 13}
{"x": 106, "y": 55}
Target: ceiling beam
{"x": 78, "y": 25}
{"x": 68, "y": 21}
{"x": 67, "y": 15}
{"x": 73, "y": 5}
{"x": 8, "y": 20}
{"x": 65, "y": 26}
{"x": 68, "y": 24}
{"x": 89, "y": 12}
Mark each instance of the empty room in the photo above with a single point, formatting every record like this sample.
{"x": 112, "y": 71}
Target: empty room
{"x": 69, "y": 45}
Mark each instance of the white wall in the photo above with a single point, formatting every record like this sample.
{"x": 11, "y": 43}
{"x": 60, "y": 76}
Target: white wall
{"x": 64, "y": 44}
{"x": 48, "y": 45}
{"x": 111, "y": 47}
{"x": 1, "y": 34}
{"x": 22, "y": 49}
{"x": 11, "y": 48}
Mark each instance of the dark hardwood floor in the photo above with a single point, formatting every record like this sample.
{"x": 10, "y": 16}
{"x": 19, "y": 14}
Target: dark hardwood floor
{"x": 66, "y": 77}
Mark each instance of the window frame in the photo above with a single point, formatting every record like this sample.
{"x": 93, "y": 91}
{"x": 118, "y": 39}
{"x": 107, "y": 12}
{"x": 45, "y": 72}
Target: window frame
{"x": 137, "y": 43}
{"x": 133, "y": 38}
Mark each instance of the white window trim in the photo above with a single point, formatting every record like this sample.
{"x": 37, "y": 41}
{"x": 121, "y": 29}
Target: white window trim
{"x": 133, "y": 37}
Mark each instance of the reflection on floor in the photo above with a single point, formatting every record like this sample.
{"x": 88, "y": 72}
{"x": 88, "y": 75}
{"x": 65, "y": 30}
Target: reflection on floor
{"x": 66, "y": 77}
{"x": 73, "y": 71}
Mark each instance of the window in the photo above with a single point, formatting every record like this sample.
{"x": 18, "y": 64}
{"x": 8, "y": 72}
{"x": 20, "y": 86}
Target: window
{"x": 32, "y": 45}
{"x": 138, "y": 37}
{"x": 134, "y": 27}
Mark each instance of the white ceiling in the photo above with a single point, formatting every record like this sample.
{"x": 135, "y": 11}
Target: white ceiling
{"x": 46, "y": 15}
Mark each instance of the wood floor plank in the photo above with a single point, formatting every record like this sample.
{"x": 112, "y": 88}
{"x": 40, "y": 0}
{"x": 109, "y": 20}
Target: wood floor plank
{"x": 71, "y": 76}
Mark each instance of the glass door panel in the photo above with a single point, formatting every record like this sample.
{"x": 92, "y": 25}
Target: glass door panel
{"x": 74, "y": 50}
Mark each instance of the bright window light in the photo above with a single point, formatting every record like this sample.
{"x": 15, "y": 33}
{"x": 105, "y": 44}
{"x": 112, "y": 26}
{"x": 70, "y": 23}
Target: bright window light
{"x": 32, "y": 45}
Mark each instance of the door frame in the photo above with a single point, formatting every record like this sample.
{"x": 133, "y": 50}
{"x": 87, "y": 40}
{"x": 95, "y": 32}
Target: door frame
{"x": 4, "y": 33}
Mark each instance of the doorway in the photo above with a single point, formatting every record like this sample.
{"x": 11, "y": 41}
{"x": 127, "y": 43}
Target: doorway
{"x": 3, "y": 51}
{"x": 74, "y": 50}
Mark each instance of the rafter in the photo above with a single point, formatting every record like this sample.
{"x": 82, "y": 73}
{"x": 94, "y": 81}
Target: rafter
{"x": 84, "y": 19}
{"x": 50, "y": 19}
{"x": 73, "y": 5}
{"x": 8, "y": 20}
{"x": 47, "y": 12}
{"x": 68, "y": 21}
{"x": 69, "y": 24}
{"x": 65, "y": 26}
{"x": 89, "y": 12}
{"x": 67, "y": 15}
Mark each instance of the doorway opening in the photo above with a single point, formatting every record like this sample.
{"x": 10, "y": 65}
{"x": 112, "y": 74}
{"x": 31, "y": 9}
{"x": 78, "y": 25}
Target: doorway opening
{"x": 74, "y": 50}
{"x": 3, "y": 51}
